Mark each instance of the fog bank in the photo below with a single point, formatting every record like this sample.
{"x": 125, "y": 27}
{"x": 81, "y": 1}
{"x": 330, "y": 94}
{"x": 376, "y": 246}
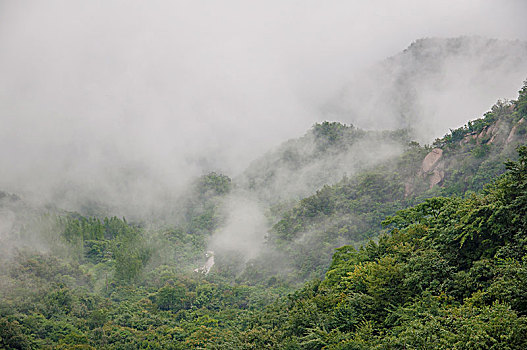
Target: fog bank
{"x": 123, "y": 102}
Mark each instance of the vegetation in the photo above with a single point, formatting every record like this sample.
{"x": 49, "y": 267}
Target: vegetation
{"x": 350, "y": 211}
{"x": 451, "y": 274}
{"x": 415, "y": 263}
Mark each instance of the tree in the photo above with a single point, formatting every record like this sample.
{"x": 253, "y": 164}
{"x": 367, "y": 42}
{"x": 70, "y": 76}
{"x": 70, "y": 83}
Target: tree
{"x": 521, "y": 103}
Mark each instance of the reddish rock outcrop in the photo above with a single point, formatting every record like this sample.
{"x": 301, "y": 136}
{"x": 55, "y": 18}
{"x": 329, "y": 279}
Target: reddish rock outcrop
{"x": 437, "y": 176}
{"x": 432, "y": 168}
{"x": 431, "y": 160}
{"x": 513, "y": 131}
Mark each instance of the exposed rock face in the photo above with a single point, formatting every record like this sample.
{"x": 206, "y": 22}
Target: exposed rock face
{"x": 488, "y": 132}
{"x": 513, "y": 131}
{"x": 432, "y": 170}
{"x": 499, "y": 133}
{"x": 493, "y": 130}
{"x": 437, "y": 176}
{"x": 205, "y": 269}
{"x": 432, "y": 167}
{"x": 431, "y": 160}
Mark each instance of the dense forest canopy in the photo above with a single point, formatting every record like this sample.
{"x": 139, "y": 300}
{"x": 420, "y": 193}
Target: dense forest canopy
{"x": 427, "y": 249}
{"x": 146, "y": 201}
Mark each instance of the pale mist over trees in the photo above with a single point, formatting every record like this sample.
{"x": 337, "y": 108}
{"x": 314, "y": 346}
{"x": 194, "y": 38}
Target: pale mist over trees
{"x": 263, "y": 175}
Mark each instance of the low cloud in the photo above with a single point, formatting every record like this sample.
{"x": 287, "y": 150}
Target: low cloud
{"x": 244, "y": 229}
{"x": 120, "y": 104}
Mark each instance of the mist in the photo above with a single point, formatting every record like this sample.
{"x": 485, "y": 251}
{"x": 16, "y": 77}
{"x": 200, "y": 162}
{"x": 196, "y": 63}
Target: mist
{"x": 434, "y": 85}
{"x": 244, "y": 229}
{"x": 123, "y": 103}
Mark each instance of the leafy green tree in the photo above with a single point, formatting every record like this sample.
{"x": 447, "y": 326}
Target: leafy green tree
{"x": 12, "y": 336}
{"x": 521, "y": 103}
{"x": 171, "y": 298}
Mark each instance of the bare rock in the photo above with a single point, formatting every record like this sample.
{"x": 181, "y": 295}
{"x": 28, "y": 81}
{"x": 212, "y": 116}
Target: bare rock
{"x": 513, "y": 130}
{"x": 511, "y": 135}
{"x": 431, "y": 160}
{"x": 492, "y": 131}
{"x": 468, "y": 138}
{"x": 205, "y": 269}
{"x": 436, "y": 177}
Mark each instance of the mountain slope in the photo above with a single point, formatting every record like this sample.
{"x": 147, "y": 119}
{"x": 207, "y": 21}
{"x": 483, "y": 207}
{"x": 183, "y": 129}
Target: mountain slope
{"x": 444, "y": 272}
{"x": 434, "y": 84}
{"x": 326, "y": 153}
{"x": 451, "y": 274}
{"x": 350, "y": 211}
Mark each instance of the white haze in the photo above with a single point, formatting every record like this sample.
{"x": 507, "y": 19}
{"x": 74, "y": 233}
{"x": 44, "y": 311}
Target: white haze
{"x": 434, "y": 85}
{"x": 124, "y": 101}
{"x": 244, "y": 228}
{"x": 298, "y": 167}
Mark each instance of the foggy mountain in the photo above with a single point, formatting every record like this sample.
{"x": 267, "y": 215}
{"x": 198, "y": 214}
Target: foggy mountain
{"x": 122, "y": 106}
{"x": 324, "y": 155}
{"x": 263, "y": 175}
{"x": 433, "y": 85}
{"x": 107, "y": 283}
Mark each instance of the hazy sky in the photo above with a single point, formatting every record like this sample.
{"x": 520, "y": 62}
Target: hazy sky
{"x": 166, "y": 89}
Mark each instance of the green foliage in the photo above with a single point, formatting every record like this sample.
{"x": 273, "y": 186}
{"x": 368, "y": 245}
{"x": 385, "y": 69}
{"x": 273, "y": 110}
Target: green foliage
{"x": 77, "y": 227}
{"x": 213, "y": 184}
{"x": 450, "y": 275}
{"x": 349, "y": 211}
{"x": 480, "y": 151}
{"x": 111, "y": 240}
{"x": 521, "y": 103}
{"x": 328, "y": 134}
{"x": 170, "y": 298}
{"x": 12, "y": 336}
{"x": 97, "y": 251}
{"x": 131, "y": 255}
{"x": 441, "y": 271}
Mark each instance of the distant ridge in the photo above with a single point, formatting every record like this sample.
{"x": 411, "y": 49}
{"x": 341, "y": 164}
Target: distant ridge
{"x": 433, "y": 85}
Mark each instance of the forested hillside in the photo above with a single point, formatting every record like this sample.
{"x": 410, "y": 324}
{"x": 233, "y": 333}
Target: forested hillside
{"x": 326, "y": 153}
{"x": 350, "y": 211}
{"x": 450, "y": 274}
{"x": 431, "y": 253}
